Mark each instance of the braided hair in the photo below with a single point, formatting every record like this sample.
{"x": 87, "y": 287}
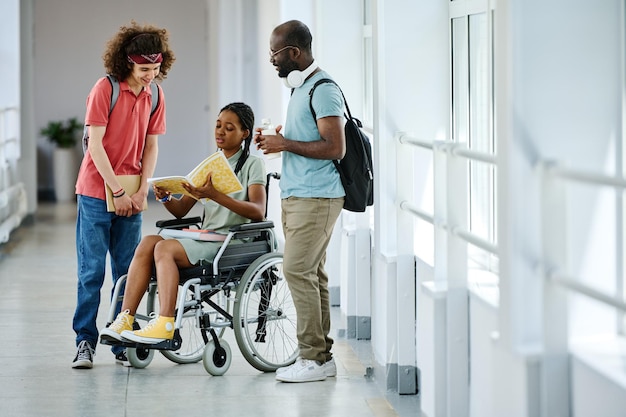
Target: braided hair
{"x": 246, "y": 117}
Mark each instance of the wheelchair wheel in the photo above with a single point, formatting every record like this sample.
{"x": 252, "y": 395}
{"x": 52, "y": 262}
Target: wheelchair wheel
{"x": 216, "y": 360}
{"x": 193, "y": 341}
{"x": 139, "y": 357}
{"x": 264, "y": 315}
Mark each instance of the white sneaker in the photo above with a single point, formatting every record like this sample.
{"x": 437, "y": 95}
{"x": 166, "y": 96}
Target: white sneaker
{"x": 284, "y": 368}
{"x": 304, "y": 370}
{"x": 330, "y": 368}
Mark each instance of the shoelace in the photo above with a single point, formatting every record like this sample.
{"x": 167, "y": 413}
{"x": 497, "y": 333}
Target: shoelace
{"x": 124, "y": 322}
{"x": 85, "y": 351}
{"x": 152, "y": 323}
{"x": 304, "y": 363}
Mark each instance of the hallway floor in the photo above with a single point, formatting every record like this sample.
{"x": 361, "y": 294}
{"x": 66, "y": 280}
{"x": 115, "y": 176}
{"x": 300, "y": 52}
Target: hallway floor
{"x": 37, "y": 300}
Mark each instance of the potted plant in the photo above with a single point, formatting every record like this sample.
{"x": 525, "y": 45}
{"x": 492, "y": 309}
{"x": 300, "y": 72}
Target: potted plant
{"x": 65, "y": 136}
{"x": 63, "y": 133}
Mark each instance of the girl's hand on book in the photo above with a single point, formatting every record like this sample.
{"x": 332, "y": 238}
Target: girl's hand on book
{"x": 205, "y": 191}
{"x": 161, "y": 194}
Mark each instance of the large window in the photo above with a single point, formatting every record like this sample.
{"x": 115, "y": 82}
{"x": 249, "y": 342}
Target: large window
{"x": 472, "y": 121}
{"x": 368, "y": 66}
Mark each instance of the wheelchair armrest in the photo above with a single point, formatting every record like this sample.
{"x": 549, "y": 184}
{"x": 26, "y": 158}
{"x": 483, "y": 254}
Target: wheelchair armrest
{"x": 178, "y": 223}
{"x": 267, "y": 224}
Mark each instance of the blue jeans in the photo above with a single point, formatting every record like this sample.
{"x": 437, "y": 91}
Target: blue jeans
{"x": 99, "y": 232}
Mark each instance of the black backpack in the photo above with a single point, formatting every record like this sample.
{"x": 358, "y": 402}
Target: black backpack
{"x": 355, "y": 169}
{"x": 115, "y": 93}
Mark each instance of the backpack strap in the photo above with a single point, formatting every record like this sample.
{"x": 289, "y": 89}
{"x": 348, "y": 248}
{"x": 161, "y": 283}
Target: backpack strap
{"x": 155, "y": 94}
{"x": 345, "y": 102}
{"x": 317, "y": 83}
{"x": 115, "y": 93}
{"x": 348, "y": 116}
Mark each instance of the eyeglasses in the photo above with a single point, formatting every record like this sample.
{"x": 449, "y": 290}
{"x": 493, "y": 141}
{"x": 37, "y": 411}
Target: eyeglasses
{"x": 272, "y": 54}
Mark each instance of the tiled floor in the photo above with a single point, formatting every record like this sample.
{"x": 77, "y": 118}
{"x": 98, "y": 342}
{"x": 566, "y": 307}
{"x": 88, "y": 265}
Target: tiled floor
{"x": 37, "y": 300}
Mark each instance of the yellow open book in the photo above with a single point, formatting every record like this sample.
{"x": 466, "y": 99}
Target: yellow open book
{"x": 223, "y": 177}
{"x": 130, "y": 184}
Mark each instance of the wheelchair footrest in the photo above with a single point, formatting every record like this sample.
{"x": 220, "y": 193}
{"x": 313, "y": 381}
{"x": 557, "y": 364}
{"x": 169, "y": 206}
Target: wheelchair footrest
{"x": 170, "y": 344}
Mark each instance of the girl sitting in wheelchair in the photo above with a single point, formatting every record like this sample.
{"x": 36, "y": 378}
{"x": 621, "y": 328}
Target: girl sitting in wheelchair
{"x": 233, "y": 134}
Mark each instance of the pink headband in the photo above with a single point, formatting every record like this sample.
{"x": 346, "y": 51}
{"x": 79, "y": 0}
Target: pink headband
{"x": 146, "y": 59}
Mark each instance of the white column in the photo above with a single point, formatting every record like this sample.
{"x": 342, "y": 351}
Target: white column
{"x": 405, "y": 271}
{"x": 457, "y": 311}
{"x": 555, "y": 376}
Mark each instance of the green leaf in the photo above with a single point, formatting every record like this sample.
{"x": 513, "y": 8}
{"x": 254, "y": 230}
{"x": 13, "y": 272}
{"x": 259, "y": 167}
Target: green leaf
{"x": 63, "y": 134}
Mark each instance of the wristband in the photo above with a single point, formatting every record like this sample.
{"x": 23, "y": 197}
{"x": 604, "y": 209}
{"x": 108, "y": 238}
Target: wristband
{"x": 165, "y": 199}
{"x": 120, "y": 195}
{"x": 119, "y": 191}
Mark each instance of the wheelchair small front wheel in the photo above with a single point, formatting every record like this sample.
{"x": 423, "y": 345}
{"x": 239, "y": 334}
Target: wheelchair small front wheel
{"x": 139, "y": 357}
{"x": 216, "y": 360}
{"x": 193, "y": 337}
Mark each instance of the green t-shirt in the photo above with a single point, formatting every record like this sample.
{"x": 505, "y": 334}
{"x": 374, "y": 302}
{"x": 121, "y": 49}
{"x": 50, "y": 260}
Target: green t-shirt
{"x": 219, "y": 218}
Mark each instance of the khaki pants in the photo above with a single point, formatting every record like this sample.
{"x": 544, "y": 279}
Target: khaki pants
{"x": 308, "y": 225}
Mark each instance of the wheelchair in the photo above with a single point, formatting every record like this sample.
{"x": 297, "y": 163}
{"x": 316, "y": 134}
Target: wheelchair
{"x": 243, "y": 289}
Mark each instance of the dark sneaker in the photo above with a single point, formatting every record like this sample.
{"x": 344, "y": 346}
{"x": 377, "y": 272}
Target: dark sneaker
{"x": 84, "y": 356}
{"x": 122, "y": 359}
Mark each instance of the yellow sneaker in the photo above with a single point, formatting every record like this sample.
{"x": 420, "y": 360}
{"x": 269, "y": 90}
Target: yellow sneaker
{"x": 124, "y": 321}
{"x": 157, "y": 330}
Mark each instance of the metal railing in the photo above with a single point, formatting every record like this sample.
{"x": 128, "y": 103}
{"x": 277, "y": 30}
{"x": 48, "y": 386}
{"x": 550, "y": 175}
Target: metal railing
{"x": 574, "y": 283}
{"x": 12, "y": 195}
{"x": 457, "y": 150}
{"x": 4, "y": 113}
{"x": 553, "y": 170}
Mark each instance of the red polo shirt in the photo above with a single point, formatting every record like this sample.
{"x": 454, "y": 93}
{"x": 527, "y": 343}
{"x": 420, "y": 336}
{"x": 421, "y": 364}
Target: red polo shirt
{"x": 125, "y": 136}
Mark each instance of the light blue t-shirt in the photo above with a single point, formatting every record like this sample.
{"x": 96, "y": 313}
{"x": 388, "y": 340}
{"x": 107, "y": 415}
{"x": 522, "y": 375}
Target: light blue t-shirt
{"x": 302, "y": 176}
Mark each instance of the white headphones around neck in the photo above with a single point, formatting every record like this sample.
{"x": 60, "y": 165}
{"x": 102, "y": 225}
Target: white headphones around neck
{"x": 296, "y": 78}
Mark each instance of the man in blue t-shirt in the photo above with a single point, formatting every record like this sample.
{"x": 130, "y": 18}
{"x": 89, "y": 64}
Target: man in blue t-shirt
{"x": 311, "y": 194}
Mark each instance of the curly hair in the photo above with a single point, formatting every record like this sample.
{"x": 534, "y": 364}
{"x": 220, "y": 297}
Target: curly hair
{"x": 128, "y": 41}
{"x": 246, "y": 118}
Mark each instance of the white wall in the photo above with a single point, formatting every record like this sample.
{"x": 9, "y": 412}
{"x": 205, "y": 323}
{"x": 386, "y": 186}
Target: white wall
{"x": 558, "y": 85}
{"x": 14, "y": 196}
{"x": 28, "y": 166}
{"x": 411, "y": 94}
{"x": 571, "y": 75}
{"x": 10, "y": 52}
